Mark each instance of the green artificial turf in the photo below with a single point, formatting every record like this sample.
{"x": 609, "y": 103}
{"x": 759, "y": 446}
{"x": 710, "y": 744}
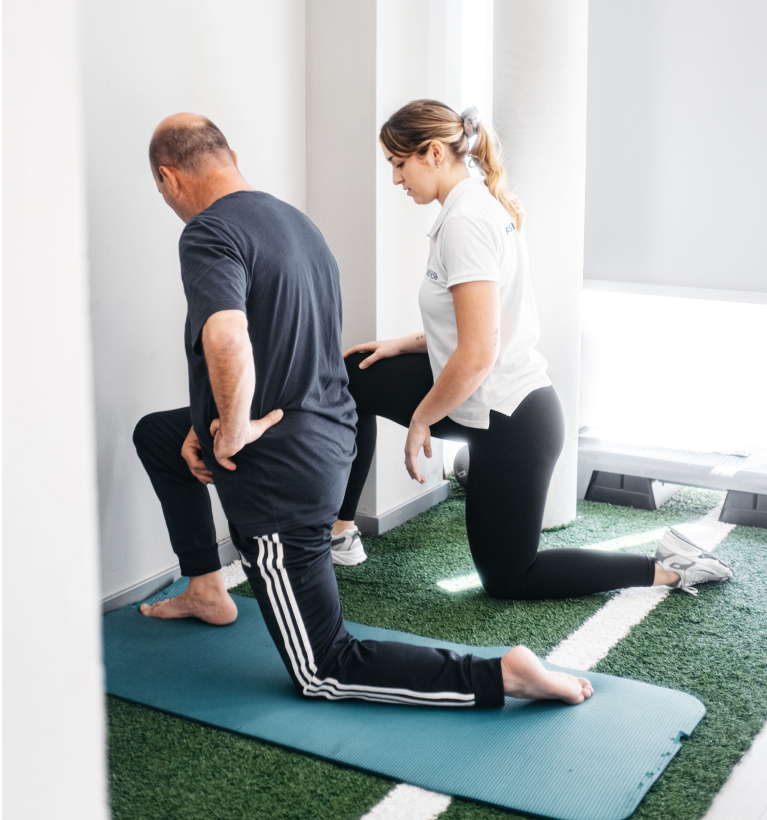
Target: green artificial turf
{"x": 715, "y": 647}
{"x": 166, "y": 768}
{"x": 712, "y": 646}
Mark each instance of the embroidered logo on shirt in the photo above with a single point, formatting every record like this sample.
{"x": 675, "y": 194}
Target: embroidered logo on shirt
{"x": 511, "y": 227}
{"x": 431, "y": 274}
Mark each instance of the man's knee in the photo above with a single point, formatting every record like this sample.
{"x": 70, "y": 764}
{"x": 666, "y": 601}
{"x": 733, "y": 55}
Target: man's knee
{"x": 353, "y": 371}
{"x": 353, "y": 361}
{"x": 146, "y": 431}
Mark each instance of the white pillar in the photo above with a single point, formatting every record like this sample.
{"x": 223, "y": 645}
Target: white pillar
{"x": 362, "y": 64}
{"x": 54, "y": 703}
{"x": 540, "y": 112}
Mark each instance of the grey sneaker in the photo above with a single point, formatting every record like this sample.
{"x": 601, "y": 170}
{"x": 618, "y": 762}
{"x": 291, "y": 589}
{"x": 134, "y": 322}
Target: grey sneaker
{"x": 346, "y": 548}
{"x": 676, "y": 553}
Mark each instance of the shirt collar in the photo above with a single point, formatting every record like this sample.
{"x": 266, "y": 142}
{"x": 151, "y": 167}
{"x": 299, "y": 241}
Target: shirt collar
{"x": 452, "y": 198}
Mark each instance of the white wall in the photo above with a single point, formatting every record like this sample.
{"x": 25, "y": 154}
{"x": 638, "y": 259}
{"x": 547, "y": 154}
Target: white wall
{"x": 363, "y": 64}
{"x": 677, "y": 124}
{"x": 53, "y": 701}
{"x": 341, "y": 149}
{"x": 408, "y": 61}
{"x": 540, "y": 110}
{"x": 240, "y": 63}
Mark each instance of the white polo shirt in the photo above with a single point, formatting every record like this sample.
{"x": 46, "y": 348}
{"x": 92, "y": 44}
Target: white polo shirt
{"x": 474, "y": 239}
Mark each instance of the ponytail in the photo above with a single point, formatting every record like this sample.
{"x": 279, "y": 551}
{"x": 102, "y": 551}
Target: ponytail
{"x": 411, "y": 130}
{"x": 487, "y": 154}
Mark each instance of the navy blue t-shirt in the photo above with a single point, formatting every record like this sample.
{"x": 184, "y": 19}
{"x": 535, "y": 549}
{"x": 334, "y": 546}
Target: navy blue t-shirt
{"x": 249, "y": 251}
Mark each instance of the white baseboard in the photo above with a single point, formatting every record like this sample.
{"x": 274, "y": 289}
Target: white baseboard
{"x": 379, "y": 524}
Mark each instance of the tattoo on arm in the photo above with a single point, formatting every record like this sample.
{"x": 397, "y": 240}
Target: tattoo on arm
{"x": 497, "y": 337}
{"x": 420, "y": 337}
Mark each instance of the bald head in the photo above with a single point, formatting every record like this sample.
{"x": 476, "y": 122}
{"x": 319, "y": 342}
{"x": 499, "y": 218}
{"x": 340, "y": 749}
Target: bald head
{"x": 188, "y": 142}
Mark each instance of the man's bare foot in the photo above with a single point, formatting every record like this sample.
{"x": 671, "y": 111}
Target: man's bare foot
{"x": 205, "y": 598}
{"x": 524, "y": 676}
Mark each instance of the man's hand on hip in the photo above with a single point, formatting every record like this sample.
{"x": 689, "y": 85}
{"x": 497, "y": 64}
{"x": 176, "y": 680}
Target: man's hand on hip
{"x": 191, "y": 452}
{"x": 227, "y": 443}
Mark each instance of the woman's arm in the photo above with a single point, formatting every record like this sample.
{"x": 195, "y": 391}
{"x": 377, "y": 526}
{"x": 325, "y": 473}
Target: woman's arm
{"x": 477, "y": 316}
{"x": 414, "y": 343}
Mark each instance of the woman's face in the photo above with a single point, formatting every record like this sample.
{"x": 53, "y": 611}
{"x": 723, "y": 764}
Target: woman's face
{"x": 415, "y": 174}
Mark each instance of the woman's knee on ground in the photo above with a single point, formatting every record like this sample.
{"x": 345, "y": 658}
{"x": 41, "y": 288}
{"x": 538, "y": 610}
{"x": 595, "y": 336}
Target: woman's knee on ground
{"x": 504, "y": 582}
{"x": 504, "y": 589}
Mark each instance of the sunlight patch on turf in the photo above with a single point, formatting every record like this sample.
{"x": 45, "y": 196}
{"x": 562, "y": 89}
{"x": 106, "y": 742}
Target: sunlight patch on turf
{"x": 636, "y": 539}
{"x": 461, "y": 583}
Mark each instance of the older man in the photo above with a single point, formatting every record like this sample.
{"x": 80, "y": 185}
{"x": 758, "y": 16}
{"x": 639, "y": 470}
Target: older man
{"x": 272, "y": 424}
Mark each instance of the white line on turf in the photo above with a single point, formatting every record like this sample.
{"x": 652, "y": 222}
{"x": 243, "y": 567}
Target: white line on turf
{"x": 406, "y": 802}
{"x": 591, "y": 642}
{"x": 744, "y": 795}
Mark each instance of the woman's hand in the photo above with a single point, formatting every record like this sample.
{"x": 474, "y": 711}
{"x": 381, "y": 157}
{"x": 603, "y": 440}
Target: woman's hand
{"x": 192, "y": 455}
{"x": 418, "y": 435}
{"x": 379, "y": 350}
{"x": 414, "y": 343}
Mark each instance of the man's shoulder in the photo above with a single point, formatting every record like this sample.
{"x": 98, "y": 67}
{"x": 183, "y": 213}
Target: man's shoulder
{"x": 255, "y": 223}
{"x": 245, "y": 209}
{"x": 249, "y": 202}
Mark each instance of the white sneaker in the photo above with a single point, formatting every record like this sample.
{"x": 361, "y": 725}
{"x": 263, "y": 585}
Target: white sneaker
{"x": 346, "y": 548}
{"x": 676, "y": 553}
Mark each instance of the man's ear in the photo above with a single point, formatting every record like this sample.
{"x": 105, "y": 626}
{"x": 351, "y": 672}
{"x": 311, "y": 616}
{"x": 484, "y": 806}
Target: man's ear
{"x": 170, "y": 176}
{"x": 234, "y": 157}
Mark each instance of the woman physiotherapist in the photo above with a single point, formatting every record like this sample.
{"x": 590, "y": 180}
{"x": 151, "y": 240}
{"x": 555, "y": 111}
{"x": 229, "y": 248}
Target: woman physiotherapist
{"x": 474, "y": 375}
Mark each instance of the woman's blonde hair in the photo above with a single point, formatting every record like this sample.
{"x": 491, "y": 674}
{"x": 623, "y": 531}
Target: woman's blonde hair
{"x": 411, "y": 130}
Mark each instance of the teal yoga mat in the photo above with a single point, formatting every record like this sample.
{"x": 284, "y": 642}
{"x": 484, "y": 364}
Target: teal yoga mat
{"x": 594, "y": 761}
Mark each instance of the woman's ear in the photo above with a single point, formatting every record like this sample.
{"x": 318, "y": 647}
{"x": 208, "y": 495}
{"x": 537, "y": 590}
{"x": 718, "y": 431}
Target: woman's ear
{"x": 437, "y": 151}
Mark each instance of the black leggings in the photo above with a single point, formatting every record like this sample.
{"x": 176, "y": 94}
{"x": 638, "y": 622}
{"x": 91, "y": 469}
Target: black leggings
{"x": 510, "y": 470}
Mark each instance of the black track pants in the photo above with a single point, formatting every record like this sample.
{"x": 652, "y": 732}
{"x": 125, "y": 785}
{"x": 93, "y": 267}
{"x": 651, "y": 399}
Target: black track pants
{"x": 510, "y": 470}
{"x": 291, "y": 574}
{"x": 185, "y": 500}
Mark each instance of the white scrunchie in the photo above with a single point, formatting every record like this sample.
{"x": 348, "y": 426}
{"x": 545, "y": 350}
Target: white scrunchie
{"x": 471, "y": 121}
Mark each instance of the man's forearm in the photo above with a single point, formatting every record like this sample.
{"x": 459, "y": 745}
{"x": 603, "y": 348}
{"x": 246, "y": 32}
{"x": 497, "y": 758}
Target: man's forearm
{"x": 229, "y": 356}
